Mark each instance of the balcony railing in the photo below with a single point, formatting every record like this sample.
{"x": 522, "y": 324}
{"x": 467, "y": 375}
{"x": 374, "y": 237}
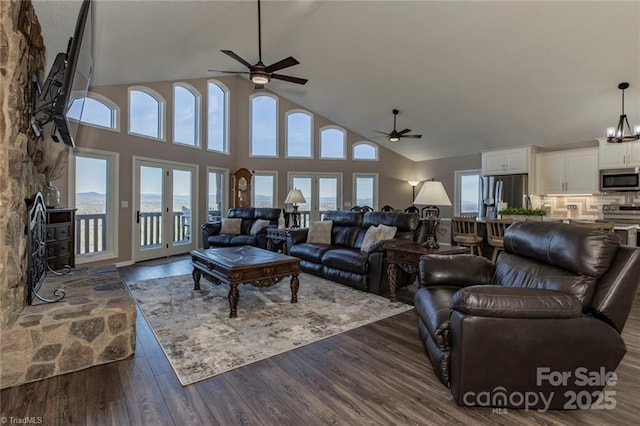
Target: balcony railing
{"x": 91, "y": 230}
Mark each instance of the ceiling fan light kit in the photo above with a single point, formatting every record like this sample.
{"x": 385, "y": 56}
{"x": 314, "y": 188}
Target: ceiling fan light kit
{"x": 617, "y": 134}
{"x": 395, "y": 135}
{"x": 260, "y": 74}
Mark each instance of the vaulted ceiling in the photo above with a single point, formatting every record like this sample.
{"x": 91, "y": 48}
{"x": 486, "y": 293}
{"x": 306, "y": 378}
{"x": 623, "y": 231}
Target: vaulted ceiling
{"x": 467, "y": 75}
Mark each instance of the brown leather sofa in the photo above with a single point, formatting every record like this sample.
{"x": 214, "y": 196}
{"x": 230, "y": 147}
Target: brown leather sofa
{"x": 540, "y": 329}
{"x": 211, "y": 236}
{"x": 342, "y": 261}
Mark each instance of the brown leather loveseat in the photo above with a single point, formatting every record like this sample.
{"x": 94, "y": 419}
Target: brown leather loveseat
{"x": 540, "y": 329}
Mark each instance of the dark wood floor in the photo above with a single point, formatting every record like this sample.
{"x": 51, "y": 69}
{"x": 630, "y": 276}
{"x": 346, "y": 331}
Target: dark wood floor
{"x": 376, "y": 374}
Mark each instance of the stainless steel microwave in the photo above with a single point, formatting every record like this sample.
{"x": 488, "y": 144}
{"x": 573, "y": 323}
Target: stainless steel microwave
{"x": 620, "y": 180}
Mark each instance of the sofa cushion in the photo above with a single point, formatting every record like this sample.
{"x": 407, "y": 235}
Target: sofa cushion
{"x": 310, "y": 252}
{"x": 343, "y": 218}
{"x": 268, "y": 213}
{"x": 320, "y": 232}
{"x": 346, "y": 259}
{"x": 230, "y": 226}
{"x": 243, "y": 240}
{"x": 220, "y": 240}
{"x": 375, "y": 234}
{"x": 258, "y": 225}
{"x": 578, "y": 249}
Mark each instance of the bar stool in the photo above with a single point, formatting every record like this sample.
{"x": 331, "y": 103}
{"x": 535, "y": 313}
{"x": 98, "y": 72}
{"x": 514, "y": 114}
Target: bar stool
{"x": 495, "y": 235}
{"x": 464, "y": 231}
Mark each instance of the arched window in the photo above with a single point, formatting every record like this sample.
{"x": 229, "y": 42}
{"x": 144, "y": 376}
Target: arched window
{"x": 264, "y": 125}
{"x": 332, "y": 142}
{"x": 217, "y": 117}
{"x": 146, "y": 113}
{"x": 365, "y": 151}
{"x": 186, "y": 115}
{"x": 95, "y": 110}
{"x": 299, "y": 134}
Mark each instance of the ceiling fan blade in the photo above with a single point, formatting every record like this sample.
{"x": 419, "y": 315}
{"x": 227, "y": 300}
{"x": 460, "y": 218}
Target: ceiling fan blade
{"x": 411, "y": 136}
{"x": 231, "y": 72}
{"x": 285, "y": 63}
{"x": 237, "y": 58}
{"x": 402, "y": 132}
{"x": 384, "y": 133}
{"x": 289, "y": 78}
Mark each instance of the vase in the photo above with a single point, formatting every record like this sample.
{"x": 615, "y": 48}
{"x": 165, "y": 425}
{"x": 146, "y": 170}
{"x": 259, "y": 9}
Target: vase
{"x": 51, "y": 196}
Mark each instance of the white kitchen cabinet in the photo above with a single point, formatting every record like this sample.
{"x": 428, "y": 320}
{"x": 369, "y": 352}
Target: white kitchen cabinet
{"x": 507, "y": 161}
{"x": 568, "y": 172}
{"x": 618, "y": 155}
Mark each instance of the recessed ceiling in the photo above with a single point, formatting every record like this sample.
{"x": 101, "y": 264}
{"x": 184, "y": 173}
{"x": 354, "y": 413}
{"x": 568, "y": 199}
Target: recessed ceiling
{"x": 468, "y": 76}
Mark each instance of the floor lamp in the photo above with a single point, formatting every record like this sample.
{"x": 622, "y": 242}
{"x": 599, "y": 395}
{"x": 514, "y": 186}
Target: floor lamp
{"x": 432, "y": 195}
{"x": 294, "y": 197}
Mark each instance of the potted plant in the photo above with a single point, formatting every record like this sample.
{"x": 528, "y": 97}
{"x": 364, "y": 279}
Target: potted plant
{"x": 519, "y": 214}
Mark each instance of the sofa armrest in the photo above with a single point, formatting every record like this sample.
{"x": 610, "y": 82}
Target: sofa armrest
{"x": 461, "y": 270}
{"x": 297, "y": 236}
{"x": 515, "y": 302}
{"x": 208, "y": 229}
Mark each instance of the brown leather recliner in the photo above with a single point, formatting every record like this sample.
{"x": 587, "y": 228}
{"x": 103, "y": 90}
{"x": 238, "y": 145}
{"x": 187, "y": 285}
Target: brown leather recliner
{"x": 540, "y": 329}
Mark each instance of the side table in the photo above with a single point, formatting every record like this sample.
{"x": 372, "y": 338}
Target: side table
{"x": 407, "y": 257}
{"x": 277, "y": 239}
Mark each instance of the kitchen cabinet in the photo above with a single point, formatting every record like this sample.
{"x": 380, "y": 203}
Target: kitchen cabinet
{"x": 618, "y": 155}
{"x": 568, "y": 172}
{"x": 507, "y": 161}
{"x": 60, "y": 238}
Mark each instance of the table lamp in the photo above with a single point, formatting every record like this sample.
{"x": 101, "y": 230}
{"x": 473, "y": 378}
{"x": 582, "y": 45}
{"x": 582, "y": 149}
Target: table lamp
{"x": 432, "y": 195}
{"x": 294, "y": 197}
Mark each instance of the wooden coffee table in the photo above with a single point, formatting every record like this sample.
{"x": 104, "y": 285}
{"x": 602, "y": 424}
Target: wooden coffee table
{"x": 407, "y": 257}
{"x": 244, "y": 265}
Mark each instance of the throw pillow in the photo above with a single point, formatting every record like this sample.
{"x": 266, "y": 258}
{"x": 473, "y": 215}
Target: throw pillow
{"x": 258, "y": 225}
{"x": 375, "y": 234}
{"x": 230, "y": 226}
{"x": 320, "y": 232}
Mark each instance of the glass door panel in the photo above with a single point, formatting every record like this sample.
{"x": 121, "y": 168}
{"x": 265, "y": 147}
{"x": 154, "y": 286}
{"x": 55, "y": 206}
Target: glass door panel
{"x": 149, "y": 204}
{"x": 304, "y": 184}
{"x": 182, "y": 206}
{"x": 327, "y": 194}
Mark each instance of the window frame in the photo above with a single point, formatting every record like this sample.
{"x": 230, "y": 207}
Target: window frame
{"x": 311, "y": 133}
{"x": 277, "y": 125}
{"x": 198, "y": 106}
{"x": 371, "y": 144}
{"x": 115, "y": 110}
{"x": 344, "y": 142}
{"x": 113, "y": 197}
{"x": 375, "y": 188}
{"x": 457, "y": 200}
{"x": 227, "y": 101}
{"x": 162, "y": 103}
{"x": 274, "y": 174}
{"x": 224, "y": 199}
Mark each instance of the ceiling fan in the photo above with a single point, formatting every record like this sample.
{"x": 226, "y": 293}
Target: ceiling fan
{"x": 260, "y": 74}
{"x": 395, "y": 135}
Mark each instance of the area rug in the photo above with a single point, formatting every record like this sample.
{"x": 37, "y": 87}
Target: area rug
{"x": 201, "y": 341}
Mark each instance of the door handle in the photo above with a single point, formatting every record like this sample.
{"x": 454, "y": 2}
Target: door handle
{"x": 137, "y": 216}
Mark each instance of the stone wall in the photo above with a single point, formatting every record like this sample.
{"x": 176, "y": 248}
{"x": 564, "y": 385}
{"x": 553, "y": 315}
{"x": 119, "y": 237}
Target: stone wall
{"x": 25, "y": 161}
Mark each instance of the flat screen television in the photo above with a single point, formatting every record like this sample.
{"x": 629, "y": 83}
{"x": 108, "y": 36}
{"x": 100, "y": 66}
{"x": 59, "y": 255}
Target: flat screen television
{"x": 67, "y": 81}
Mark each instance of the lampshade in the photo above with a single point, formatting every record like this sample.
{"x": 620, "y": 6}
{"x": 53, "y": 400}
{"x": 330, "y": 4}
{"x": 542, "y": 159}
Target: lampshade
{"x": 413, "y": 182}
{"x": 295, "y": 196}
{"x": 432, "y": 193}
{"x": 618, "y": 133}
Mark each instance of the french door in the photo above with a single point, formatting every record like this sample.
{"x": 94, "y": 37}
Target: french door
{"x": 323, "y": 191}
{"x": 164, "y": 208}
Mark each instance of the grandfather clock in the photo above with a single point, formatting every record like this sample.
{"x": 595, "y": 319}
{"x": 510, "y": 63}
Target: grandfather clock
{"x": 242, "y": 188}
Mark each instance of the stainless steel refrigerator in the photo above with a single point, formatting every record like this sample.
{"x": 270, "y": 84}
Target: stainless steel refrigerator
{"x": 510, "y": 189}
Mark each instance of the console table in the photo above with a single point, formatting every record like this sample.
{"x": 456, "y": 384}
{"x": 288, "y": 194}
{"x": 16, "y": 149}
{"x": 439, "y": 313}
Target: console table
{"x": 407, "y": 257}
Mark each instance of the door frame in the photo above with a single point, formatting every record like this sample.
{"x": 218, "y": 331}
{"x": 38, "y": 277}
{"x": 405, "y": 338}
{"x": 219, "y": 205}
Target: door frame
{"x": 172, "y": 249}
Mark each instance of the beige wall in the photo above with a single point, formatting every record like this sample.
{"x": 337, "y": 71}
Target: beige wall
{"x": 393, "y": 170}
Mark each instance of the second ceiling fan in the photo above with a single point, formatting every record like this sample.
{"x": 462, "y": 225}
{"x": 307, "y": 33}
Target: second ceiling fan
{"x": 260, "y": 74}
{"x": 395, "y": 135}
